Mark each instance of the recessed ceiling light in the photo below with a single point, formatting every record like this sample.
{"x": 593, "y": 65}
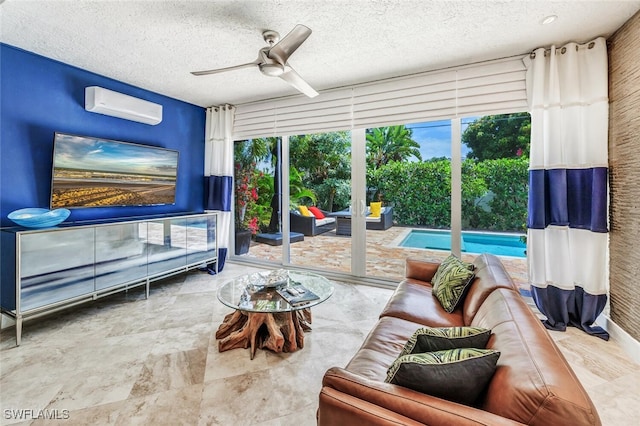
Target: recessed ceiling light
{"x": 549, "y": 19}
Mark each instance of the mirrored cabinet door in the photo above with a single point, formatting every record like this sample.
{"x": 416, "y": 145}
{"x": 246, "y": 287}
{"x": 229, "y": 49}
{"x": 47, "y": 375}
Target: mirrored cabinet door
{"x": 55, "y": 266}
{"x": 201, "y": 238}
{"x": 166, "y": 244}
{"x": 121, "y": 254}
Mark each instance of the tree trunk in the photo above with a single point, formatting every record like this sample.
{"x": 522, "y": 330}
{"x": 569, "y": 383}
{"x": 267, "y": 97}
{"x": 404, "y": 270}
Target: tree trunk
{"x": 279, "y": 332}
{"x": 276, "y": 200}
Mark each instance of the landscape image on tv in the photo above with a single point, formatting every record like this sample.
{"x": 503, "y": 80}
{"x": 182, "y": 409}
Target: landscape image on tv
{"x": 95, "y": 172}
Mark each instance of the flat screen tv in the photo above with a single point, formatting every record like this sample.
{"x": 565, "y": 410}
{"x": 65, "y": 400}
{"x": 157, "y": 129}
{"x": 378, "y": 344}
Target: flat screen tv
{"x": 96, "y": 172}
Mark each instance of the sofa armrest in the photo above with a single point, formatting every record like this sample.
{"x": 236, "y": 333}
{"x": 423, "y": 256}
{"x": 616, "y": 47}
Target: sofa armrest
{"x": 419, "y": 269}
{"x": 302, "y": 224}
{"x": 387, "y": 217}
{"x": 358, "y": 393}
{"x": 338, "y": 408}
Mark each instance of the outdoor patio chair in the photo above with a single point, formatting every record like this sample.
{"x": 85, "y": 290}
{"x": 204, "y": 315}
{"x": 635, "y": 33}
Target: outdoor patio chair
{"x": 383, "y": 222}
{"x": 310, "y": 226}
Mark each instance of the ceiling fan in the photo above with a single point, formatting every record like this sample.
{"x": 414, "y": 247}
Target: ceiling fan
{"x": 272, "y": 60}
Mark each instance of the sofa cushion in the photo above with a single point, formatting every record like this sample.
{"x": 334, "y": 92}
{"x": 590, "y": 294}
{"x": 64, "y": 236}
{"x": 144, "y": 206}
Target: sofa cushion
{"x": 531, "y": 367}
{"x": 316, "y": 212}
{"x": 459, "y": 375}
{"x": 304, "y": 211}
{"x": 375, "y": 209}
{"x": 420, "y": 270}
{"x": 451, "y": 283}
{"x": 430, "y": 339}
{"x": 325, "y": 221}
{"x": 490, "y": 275}
{"x": 381, "y": 347}
{"x": 413, "y": 301}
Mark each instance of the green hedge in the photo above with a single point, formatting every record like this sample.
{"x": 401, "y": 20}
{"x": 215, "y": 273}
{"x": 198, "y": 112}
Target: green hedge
{"x": 419, "y": 192}
{"x": 494, "y": 193}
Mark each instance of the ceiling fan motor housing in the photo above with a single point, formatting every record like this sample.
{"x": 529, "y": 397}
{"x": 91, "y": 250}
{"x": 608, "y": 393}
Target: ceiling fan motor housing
{"x": 271, "y": 37}
{"x": 272, "y": 70}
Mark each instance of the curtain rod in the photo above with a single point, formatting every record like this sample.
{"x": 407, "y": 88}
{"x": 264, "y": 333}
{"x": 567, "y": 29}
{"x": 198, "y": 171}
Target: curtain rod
{"x": 562, "y": 50}
{"x": 519, "y": 55}
{"x": 223, "y": 107}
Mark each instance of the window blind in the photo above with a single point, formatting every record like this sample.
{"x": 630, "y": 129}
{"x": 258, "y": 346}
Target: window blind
{"x": 493, "y": 87}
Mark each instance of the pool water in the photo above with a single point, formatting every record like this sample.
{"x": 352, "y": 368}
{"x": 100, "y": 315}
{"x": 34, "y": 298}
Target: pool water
{"x": 472, "y": 242}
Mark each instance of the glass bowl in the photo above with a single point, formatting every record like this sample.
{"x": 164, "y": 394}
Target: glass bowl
{"x": 38, "y": 218}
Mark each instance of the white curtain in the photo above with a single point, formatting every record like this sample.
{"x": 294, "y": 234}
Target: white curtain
{"x": 218, "y": 172}
{"x": 567, "y": 245}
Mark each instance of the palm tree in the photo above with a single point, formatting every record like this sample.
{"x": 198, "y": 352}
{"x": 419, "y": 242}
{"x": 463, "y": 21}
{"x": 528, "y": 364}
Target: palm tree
{"x": 393, "y": 143}
{"x": 246, "y": 153}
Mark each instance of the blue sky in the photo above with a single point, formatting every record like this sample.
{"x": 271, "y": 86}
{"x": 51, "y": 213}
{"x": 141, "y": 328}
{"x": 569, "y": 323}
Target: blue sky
{"x": 435, "y": 138}
{"x": 78, "y": 152}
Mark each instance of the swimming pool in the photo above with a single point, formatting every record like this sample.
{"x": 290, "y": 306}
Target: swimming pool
{"x": 472, "y": 242}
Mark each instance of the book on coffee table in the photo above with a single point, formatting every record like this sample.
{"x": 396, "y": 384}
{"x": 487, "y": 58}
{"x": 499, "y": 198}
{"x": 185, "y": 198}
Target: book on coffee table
{"x": 297, "y": 294}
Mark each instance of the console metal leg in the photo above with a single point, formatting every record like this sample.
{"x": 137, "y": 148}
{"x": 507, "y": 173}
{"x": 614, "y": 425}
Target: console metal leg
{"x": 18, "y": 330}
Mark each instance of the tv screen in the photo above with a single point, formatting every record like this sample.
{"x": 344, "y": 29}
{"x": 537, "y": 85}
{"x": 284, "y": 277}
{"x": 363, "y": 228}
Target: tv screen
{"x": 96, "y": 172}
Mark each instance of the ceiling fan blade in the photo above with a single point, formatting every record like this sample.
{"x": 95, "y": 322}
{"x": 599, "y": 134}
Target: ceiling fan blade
{"x": 294, "y": 79}
{"x": 285, "y": 47}
{"x": 219, "y": 70}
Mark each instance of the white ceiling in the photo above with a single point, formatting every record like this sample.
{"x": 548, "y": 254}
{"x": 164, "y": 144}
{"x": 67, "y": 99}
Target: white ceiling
{"x": 154, "y": 44}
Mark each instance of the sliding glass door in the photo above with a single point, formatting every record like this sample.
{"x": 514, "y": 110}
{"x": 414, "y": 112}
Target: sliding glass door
{"x": 359, "y": 203}
{"x": 258, "y": 199}
{"x": 408, "y": 170}
{"x": 319, "y": 183}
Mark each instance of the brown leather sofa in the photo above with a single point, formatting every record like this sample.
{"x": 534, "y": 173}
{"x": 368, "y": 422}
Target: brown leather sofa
{"x": 532, "y": 384}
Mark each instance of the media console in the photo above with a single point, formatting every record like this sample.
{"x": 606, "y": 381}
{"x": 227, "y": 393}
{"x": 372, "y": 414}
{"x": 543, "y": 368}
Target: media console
{"x": 44, "y": 270}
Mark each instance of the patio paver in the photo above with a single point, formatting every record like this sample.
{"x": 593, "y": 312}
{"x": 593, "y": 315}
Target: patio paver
{"x": 384, "y": 258}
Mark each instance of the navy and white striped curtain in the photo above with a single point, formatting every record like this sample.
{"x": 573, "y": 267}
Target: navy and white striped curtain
{"x": 218, "y": 173}
{"x": 567, "y": 244}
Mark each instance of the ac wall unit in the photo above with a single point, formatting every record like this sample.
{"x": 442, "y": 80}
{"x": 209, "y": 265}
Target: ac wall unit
{"x": 108, "y": 102}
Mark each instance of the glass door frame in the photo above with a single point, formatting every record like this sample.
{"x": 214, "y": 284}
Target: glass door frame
{"x": 359, "y": 205}
{"x": 358, "y": 202}
{"x": 456, "y": 187}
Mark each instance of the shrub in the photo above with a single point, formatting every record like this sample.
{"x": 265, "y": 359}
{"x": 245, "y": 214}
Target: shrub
{"x": 494, "y": 192}
{"x": 418, "y": 192}
{"x": 508, "y": 180}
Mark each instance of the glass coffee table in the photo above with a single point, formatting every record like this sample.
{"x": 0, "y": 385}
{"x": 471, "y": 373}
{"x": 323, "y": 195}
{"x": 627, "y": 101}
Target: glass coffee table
{"x": 272, "y": 309}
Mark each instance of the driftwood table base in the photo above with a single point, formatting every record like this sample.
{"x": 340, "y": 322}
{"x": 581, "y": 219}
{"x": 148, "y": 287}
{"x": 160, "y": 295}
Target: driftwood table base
{"x": 279, "y": 332}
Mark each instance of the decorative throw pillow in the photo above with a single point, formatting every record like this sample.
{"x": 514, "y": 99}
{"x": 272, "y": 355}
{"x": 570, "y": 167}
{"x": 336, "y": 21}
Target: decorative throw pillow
{"x": 458, "y": 375}
{"x": 450, "y": 260}
{"x": 429, "y": 339}
{"x": 304, "y": 211}
{"x": 316, "y": 212}
{"x": 376, "y": 209}
{"x": 452, "y": 285}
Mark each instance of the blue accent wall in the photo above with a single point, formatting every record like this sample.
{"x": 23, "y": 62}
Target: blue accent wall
{"x": 41, "y": 96}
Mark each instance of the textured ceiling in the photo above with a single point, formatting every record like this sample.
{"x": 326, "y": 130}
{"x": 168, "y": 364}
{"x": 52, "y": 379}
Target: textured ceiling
{"x": 155, "y": 44}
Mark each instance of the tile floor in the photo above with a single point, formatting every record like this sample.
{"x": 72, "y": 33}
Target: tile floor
{"x": 127, "y": 360}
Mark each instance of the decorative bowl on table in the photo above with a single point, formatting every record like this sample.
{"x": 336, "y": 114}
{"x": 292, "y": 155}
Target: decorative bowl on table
{"x": 277, "y": 278}
{"x": 38, "y": 218}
